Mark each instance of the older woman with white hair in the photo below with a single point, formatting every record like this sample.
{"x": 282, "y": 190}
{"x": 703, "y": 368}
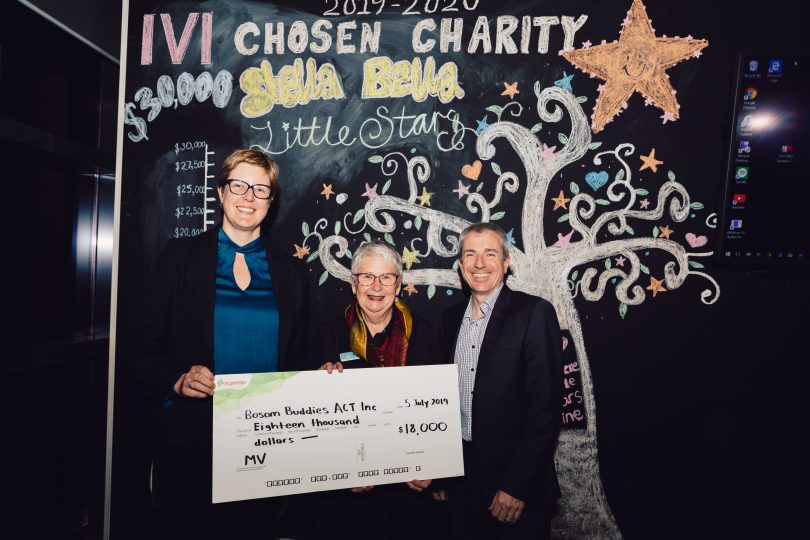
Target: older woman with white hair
{"x": 378, "y": 330}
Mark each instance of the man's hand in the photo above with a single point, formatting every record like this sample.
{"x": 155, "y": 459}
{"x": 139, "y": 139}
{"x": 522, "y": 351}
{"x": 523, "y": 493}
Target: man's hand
{"x": 505, "y": 508}
{"x": 197, "y": 382}
{"x": 362, "y": 489}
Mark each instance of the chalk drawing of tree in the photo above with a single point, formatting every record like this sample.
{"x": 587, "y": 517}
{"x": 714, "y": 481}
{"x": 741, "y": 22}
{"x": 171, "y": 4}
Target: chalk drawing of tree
{"x": 549, "y": 271}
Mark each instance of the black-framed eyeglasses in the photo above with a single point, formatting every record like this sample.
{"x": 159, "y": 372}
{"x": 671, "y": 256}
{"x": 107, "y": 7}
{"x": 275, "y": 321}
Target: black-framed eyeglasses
{"x": 367, "y": 279}
{"x": 240, "y": 187}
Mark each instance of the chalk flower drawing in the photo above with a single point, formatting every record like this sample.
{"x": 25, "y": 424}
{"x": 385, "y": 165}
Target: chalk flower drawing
{"x": 549, "y": 271}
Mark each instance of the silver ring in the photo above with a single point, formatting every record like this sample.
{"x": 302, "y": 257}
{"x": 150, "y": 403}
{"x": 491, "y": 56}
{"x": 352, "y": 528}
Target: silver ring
{"x": 191, "y": 384}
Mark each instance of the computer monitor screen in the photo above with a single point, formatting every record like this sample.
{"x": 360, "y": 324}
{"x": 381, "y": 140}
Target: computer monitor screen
{"x": 766, "y": 204}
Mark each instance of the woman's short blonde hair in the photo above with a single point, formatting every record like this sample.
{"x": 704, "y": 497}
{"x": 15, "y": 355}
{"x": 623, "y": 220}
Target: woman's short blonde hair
{"x": 252, "y": 157}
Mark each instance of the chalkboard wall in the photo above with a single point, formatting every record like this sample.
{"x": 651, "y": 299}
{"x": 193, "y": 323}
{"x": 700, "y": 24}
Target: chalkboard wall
{"x": 407, "y": 121}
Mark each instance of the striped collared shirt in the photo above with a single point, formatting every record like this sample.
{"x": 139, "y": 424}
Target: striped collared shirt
{"x": 468, "y": 346}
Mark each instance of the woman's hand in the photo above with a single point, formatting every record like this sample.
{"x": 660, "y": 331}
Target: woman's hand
{"x": 418, "y": 485}
{"x": 197, "y": 382}
{"x": 329, "y": 367}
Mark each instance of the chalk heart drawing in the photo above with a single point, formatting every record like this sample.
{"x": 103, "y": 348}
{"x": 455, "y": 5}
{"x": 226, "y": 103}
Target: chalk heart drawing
{"x": 696, "y": 241}
{"x": 596, "y": 179}
{"x": 539, "y": 269}
{"x": 472, "y": 171}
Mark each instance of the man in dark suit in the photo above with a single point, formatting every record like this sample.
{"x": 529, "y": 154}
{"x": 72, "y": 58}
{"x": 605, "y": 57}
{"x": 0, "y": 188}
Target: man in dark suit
{"x": 507, "y": 347}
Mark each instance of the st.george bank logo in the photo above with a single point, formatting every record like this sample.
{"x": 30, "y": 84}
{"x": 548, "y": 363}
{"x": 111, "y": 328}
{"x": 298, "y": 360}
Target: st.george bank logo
{"x": 236, "y": 384}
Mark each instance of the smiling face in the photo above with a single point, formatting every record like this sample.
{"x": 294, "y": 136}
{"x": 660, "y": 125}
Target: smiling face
{"x": 483, "y": 263}
{"x": 243, "y": 214}
{"x": 375, "y": 299}
{"x": 637, "y": 62}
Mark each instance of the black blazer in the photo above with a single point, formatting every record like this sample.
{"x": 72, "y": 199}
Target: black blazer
{"x": 176, "y": 331}
{"x": 333, "y": 339}
{"x": 517, "y": 397}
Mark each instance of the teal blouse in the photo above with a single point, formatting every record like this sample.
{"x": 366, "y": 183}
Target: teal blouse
{"x": 245, "y": 322}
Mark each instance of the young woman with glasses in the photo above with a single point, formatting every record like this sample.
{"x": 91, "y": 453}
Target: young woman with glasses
{"x": 221, "y": 302}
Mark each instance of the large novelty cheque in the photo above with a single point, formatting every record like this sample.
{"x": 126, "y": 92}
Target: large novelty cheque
{"x": 297, "y": 432}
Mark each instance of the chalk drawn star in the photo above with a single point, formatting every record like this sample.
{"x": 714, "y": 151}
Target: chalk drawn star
{"x": 409, "y": 257}
{"x": 300, "y": 252}
{"x": 462, "y": 189}
{"x": 565, "y": 82}
{"x": 560, "y": 201}
{"x": 697, "y": 54}
{"x": 285, "y": 126}
{"x": 371, "y": 192}
{"x": 620, "y": 260}
{"x": 644, "y": 203}
{"x": 547, "y": 152}
{"x": 424, "y": 198}
{"x": 482, "y": 126}
{"x": 410, "y": 289}
{"x": 586, "y": 44}
{"x": 510, "y": 236}
{"x": 665, "y": 231}
{"x": 327, "y": 191}
{"x": 650, "y": 162}
{"x": 667, "y": 117}
{"x": 648, "y": 101}
{"x": 637, "y": 62}
{"x": 656, "y": 286}
{"x": 511, "y": 90}
{"x": 564, "y": 242}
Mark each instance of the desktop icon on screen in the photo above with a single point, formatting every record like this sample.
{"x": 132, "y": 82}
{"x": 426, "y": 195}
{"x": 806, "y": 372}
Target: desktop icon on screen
{"x": 738, "y": 198}
{"x": 735, "y": 224}
{"x": 750, "y": 94}
{"x": 775, "y": 66}
{"x": 742, "y": 173}
{"x": 747, "y": 120}
{"x": 786, "y": 148}
{"x": 745, "y": 147}
{"x": 753, "y": 65}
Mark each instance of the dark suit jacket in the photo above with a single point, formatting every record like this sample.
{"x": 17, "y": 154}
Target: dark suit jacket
{"x": 517, "y": 397}
{"x": 333, "y": 339}
{"x": 176, "y": 331}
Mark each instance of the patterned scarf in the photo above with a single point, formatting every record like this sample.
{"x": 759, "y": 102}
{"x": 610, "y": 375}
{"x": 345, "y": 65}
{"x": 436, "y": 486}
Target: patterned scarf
{"x": 393, "y": 350}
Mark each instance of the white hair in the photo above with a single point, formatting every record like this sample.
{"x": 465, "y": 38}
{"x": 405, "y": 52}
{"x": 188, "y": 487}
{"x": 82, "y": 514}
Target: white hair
{"x": 376, "y": 248}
